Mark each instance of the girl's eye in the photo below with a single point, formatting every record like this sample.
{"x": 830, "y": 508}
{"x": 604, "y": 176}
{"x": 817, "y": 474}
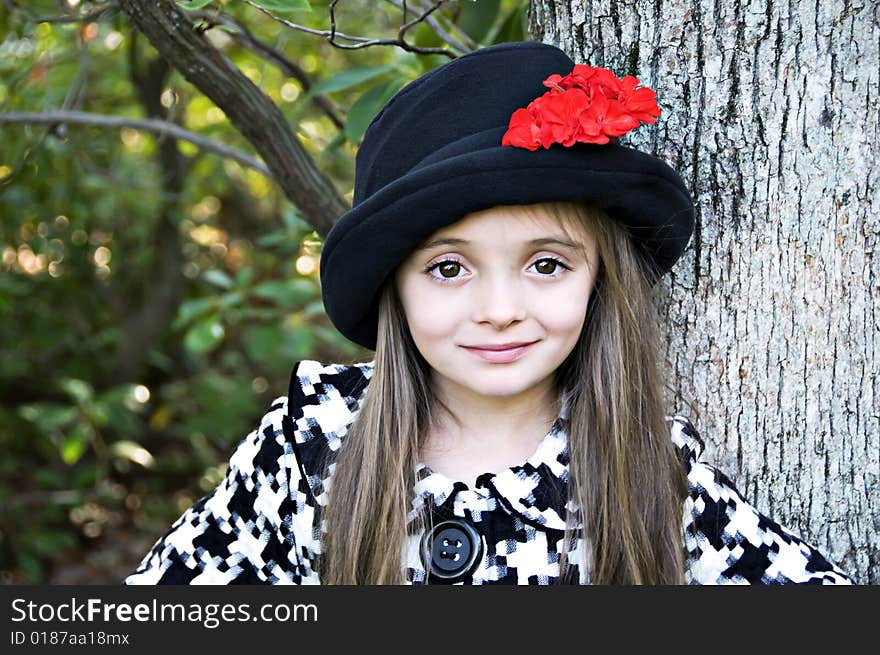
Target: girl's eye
{"x": 449, "y": 268}
{"x": 549, "y": 266}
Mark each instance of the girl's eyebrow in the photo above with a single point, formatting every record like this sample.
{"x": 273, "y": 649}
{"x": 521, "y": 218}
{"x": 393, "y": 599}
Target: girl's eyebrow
{"x": 542, "y": 241}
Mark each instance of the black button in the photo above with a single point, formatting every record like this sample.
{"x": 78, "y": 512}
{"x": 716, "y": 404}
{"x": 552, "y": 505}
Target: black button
{"x": 453, "y": 549}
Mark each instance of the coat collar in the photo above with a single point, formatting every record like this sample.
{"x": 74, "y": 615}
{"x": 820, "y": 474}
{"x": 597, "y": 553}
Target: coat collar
{"x": 535, "y": 490}
{"x": 324, "y": 400}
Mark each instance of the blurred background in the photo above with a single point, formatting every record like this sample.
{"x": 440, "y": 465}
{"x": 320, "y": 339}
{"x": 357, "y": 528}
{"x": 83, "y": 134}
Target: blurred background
{"x": 156, "y": 286}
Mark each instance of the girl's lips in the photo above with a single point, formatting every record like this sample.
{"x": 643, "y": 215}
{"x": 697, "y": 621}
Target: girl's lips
{"x": 500, "y": 356}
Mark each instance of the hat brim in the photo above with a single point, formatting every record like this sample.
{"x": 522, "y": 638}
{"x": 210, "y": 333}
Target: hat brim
{"x": 639, "y": 190}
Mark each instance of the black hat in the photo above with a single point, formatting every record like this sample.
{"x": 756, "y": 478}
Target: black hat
{"x": 434, "y": 154}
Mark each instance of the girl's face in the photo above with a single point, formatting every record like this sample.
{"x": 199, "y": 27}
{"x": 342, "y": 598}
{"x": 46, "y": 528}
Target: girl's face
{"x": 498, "y": 276}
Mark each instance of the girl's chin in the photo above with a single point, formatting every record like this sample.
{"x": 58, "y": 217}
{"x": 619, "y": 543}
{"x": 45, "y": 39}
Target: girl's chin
{"x": 499, "y": 384}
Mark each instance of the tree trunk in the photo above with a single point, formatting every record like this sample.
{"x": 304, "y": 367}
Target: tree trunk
{"x": 770, "y": 113}
{"x": 249, "y": 110}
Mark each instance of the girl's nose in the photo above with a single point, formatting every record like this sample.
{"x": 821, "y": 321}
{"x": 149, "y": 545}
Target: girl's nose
{"x": 499, "y": 301}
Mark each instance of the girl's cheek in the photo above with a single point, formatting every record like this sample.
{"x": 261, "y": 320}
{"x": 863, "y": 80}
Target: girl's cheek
{"x": 434, "y": 315}
{"x": 565, "y": 309}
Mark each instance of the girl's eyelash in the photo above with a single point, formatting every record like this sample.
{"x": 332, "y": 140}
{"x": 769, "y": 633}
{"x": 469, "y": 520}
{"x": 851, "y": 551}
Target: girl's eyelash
{"x": 447, "y": 260}
{"x": 452, "y": 260}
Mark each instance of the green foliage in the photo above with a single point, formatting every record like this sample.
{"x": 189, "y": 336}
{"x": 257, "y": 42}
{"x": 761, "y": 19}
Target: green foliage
{"x": 477, "y": 18}
{"x": 111, "y": 426}
{"x": 283, "y": 5}
{"x": 366, "y": 107}
{"x": 271, "y": 5}
{"x": 512, "y": 28}
{"x": 194, "y": 4}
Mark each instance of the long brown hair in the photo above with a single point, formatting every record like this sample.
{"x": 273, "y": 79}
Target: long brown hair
{"x": 624, "y": 473}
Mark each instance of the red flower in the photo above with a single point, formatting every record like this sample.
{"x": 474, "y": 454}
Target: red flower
{"x": 523, "y": 131}
{"x": 589, "y": 105}
{"x": 610, "y": 117}
{"x": 560, "y": 116}
{"x": 639, "y": 102}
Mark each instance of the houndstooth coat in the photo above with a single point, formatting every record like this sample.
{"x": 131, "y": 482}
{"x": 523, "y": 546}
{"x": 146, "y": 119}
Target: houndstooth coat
{"x": 263, "y": 523}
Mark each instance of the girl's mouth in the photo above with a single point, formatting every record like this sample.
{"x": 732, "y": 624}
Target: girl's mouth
{"x": 500, "y": 356}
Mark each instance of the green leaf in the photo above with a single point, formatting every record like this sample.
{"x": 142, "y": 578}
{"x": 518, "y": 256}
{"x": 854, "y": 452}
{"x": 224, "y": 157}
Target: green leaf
{"x": 477, "y": 18}
{"x": 117, "y": 395}
{"x": 347, "y": 79}
{"x": 75, "y": 443}
{"x": 204, "y": 335}
{"x": 79, "y": 390}
{"x": 331, "y": 337}
{"x": 271, "y": 239}
{"x": 512, "y": 27}
{"x": 30, "y": 565}
{"x": 231, "y": 299}
{"x": 244, "y": 276}
{"x": 262, "y": 342}
{"x": 85, "y": 477}
{"x": 98, "y": 413}
{"x": 231, "y": 29}
{"x": 218, "y": 278}
{"x": 160, "y": 360}
{"x": 49, "y": 542}
{"x": 104, "y": 338}
{"x": 49, "y": 479}
{"x": 314, "y": 308}
{"x": 288, "y": 293}
{"x": 294, "y": 220}
{"x": 366, "y": 107}
{"x": 190, "y": 310}
{"x": 284, "y": 5}
{"x": 259, "y": 314}
{"x": 133, "y": 452}
{"x": 297, "y": 342}
{"x": 194, "y": 4}
{"x": 48, "y": 416}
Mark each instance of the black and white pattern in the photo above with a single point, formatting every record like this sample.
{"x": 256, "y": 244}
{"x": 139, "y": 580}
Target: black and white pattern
{"x": 263, "y": 523}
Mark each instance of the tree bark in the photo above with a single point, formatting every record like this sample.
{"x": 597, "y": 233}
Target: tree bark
{"x": 247, "y": 107}
{"x": 770, "y": 113}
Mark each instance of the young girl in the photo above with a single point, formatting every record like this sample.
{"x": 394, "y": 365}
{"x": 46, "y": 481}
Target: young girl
{"x": 499, "y": 258}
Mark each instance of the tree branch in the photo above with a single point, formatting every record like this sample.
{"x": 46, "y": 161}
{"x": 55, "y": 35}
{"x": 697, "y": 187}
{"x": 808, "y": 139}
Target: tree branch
{"x": 156, "y": 126}
{"x": 251, "y": 112}
{"x": 252, "y": 43}
{"x": 443, "y": 34}
{"x": 359, "y": 41}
